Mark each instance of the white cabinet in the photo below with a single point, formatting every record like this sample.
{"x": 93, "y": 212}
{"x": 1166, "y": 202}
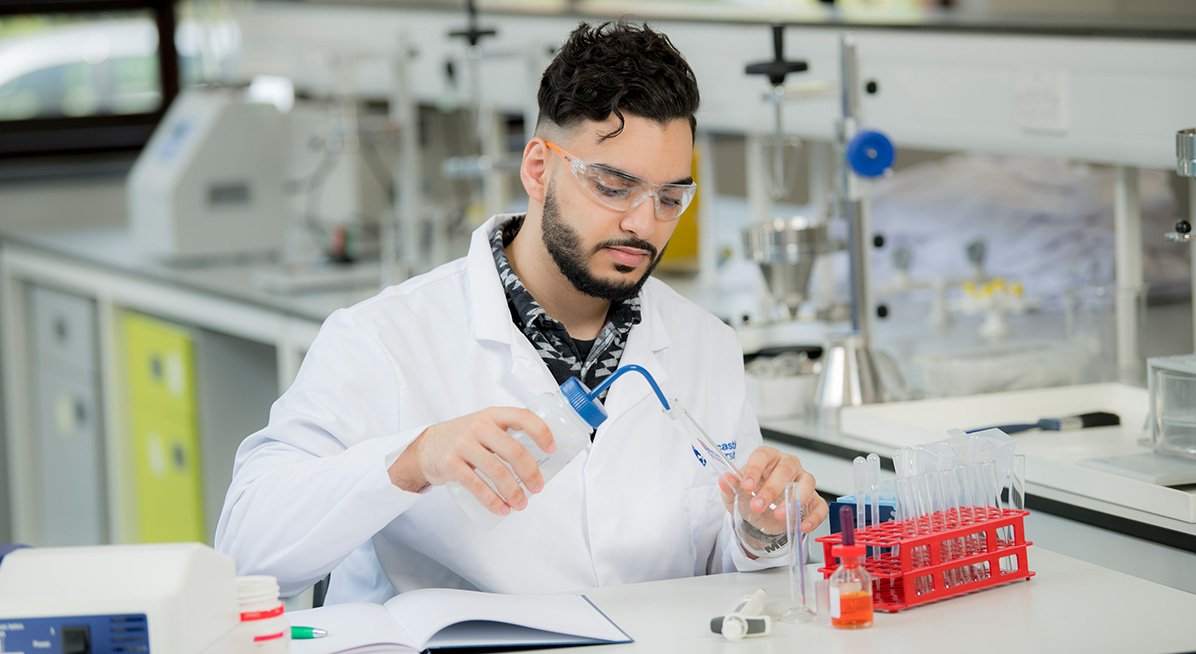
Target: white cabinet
{"x": 67, "y": 450}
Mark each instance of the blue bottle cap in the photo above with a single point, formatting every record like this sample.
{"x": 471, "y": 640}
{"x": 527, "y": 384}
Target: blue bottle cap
{"x": 870, "y": 153}
{"x": 578, "y": 396}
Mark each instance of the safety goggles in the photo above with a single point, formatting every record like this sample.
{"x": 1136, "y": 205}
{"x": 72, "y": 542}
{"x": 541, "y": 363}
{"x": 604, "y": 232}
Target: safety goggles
{"x": 623, "y": 192}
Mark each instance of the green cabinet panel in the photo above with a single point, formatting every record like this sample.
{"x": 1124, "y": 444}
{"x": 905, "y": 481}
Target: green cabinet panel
{"x": 169, "y": 496}
{"x": 160, "y": 364}
{"x": 164, "y": 443}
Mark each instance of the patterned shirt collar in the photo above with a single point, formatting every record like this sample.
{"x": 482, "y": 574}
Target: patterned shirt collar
{"x": 549, "y": 335}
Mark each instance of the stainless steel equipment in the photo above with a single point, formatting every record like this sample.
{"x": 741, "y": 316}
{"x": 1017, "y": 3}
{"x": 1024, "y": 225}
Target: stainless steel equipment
{"x": 785, "y": 250}
{"x": 850, "y": 376}
{"x": 849, "y": 373}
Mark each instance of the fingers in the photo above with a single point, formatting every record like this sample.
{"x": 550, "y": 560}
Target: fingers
{"x": 766, "y": 473}
{"x": 477, "y": 448}
{"x": 814, "y": 508}
{"x": 727, "y": 487}
{"x": 468, "y": 477}
{"x": 752, "y": 471}
{"x": 525, "y": 421}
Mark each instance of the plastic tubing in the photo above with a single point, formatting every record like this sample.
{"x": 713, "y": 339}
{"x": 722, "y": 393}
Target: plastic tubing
{"x": 631, "y": 368}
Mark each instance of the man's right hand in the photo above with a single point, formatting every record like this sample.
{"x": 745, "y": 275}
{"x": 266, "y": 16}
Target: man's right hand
{"x": 453, "y": 451}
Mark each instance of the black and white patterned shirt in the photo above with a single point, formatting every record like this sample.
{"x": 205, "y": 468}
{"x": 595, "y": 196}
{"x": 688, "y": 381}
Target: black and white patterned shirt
{"x": 590, "y": 361}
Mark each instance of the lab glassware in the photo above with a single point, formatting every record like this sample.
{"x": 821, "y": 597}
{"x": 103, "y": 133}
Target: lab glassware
{"x": 799, "y": 609}
{"x": 850, "y": 585}
{"x": 782, "y": 154}
{"x": 873, "y": 475}
{"x": 1172, "y": 388}
{"x": 1017, "y": 482}
{"x": 571, "y": 414}
{"x": 860, "y": 475}
{"x": 762, "y": 534}
{"x": 903, "y": 582}
{"x": 704, "y": 447}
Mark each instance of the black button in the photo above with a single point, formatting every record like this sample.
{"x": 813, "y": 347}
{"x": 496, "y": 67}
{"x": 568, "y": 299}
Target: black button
{"x": 76, "y": 640}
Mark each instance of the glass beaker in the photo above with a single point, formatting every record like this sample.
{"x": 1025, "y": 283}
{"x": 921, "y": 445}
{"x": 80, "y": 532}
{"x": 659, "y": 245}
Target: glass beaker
{"x": 782, "y": 160}
{"x": 1172, "y": 382}
{"x": 761, "y": 534}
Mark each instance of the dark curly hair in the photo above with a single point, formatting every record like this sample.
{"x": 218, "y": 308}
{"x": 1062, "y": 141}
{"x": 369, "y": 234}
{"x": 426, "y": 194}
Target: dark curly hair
{"x": 614, "y": 68}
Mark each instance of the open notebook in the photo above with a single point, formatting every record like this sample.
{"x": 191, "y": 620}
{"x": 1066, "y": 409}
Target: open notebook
{"x": 440, "y": 618}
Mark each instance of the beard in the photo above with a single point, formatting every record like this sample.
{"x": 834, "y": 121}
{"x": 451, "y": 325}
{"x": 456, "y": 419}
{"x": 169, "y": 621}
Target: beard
{"x": 564, "y": 245}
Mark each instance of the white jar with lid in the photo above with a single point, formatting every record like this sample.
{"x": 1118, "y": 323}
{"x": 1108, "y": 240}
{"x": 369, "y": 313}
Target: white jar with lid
{"x": 264, "y": 628}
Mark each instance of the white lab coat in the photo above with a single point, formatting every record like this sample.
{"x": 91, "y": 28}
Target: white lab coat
{"x": 310, "y": 492}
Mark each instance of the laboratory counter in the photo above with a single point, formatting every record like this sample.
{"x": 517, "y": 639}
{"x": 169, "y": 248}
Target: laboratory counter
{"x": 1094, "y": 514}
{"x": 1082, "y": 504}
{"x": 1068, "y": 606}
{"x": 244, "y": 279}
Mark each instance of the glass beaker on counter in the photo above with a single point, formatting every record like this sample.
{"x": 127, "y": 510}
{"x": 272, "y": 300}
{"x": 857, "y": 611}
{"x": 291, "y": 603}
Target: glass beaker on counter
{"x": 1172, "y": 384}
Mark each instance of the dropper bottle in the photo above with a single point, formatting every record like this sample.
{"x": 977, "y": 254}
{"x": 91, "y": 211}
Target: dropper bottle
{"x": 850, "y": 584}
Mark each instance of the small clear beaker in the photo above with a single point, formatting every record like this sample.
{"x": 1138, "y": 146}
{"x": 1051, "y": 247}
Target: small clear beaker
{"x": 782, "y": 159}
{"x": 761, "y": 534}
{"x": 1172, "y": 383}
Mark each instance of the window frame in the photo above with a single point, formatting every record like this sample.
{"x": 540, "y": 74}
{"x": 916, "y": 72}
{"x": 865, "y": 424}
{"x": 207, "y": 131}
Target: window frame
{"x": 73, "y": 135}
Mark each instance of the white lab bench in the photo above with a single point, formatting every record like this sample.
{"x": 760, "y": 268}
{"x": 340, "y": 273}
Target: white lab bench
{"x": 1095, "y": 516}
{"x": 1133, "y": 526}
{"x": 1068, "y": 606}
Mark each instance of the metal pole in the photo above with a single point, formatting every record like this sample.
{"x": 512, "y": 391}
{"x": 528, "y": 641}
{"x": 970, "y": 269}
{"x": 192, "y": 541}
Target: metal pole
{"x": 1127, "y": 221}
{"x": 400, "y": 235}
{"x": 851, "y": 204}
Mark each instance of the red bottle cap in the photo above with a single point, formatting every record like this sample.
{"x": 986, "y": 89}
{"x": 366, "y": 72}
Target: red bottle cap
{"x": 844, "y": 552}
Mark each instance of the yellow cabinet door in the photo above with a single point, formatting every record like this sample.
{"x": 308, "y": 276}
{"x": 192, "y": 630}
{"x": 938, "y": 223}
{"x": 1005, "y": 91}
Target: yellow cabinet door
{"x": 168, "y": 493}
{"x": 159, "y": 365}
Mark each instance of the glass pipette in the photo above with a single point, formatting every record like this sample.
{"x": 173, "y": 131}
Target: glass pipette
{"x": 704, "y": 448}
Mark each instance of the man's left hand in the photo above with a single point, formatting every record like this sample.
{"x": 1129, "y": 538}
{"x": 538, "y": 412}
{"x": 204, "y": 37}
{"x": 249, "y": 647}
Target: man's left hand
{"x": 766, "y": 472}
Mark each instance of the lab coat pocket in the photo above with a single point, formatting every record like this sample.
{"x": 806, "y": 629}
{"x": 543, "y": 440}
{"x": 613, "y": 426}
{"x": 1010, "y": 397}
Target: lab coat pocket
{"x": 706, "y": 511}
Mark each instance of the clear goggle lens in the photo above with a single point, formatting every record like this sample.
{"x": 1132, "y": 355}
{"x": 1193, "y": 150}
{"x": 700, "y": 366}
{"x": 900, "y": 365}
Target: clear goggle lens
{"x": 623, "y": 193}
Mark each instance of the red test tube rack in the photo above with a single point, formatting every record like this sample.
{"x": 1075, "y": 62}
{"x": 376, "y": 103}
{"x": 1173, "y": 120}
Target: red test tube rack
{"x": 941, "y": 555}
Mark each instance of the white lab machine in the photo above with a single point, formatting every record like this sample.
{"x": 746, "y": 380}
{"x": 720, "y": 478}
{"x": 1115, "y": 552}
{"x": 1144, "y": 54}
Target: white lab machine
{"x": 166, "y": 598}
{"x": 210, "y": 180}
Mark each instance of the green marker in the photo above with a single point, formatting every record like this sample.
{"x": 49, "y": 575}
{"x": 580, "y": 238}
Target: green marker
{"x": 304, "y": 633}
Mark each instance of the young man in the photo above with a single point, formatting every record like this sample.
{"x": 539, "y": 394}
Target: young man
{"x": 417, "y": 387}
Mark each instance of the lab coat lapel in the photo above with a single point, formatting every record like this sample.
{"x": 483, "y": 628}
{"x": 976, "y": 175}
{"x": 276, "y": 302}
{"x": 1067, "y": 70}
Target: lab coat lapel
{"x": 492, "y": 317}
{"x": 644, "y": 342}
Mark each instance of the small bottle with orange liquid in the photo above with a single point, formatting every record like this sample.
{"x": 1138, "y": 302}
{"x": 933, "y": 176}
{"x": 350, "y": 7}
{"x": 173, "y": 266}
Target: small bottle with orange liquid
{"x": 850, "y": 585}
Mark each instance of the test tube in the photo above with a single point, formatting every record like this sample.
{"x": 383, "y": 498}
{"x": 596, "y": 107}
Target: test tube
{"x": 944, "y": 499}
{"x": 1017, "y": 482}
{"x": 945, "y": 457}
{"x": 963, "y": 543}
{"x": 920, "y": 494}
{"x": 858, "y": 467}
{"x": 903, "y": 462}
{"x": 990, "y": 491}
{"x": 873, "y": 474}
{"x": 799, "y": 609}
